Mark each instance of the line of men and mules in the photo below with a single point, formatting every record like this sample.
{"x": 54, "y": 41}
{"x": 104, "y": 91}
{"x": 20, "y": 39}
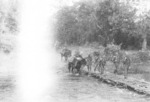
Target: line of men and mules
{"x": 118, "y": 57}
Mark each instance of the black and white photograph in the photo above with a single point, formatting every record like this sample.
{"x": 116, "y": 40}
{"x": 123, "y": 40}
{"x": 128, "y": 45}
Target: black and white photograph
{"x": 74, "y": 50}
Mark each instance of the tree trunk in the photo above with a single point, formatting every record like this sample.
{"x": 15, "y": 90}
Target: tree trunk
{"x": 144, "y": 46}
{"x": 106, "y": 42}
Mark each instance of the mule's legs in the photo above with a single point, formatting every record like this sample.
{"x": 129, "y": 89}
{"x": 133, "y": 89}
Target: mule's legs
{"x": 69, "y": 66}
{"x": 96, "y": 67}
{"x": 125, "y": 72}
{"x": 117, "y": 65}
{"x": 89, "y": 68}
{"x": 78, "y": 71}
{"x": 102, "y": 69}
{"x": 65, "y": 59}
{"x": 103, "y": 66}
{"x": 72, "y": 70}
{"x": 126, "y": 69}
{"x": 61, "y": 57}
{"x": 99, "y": 68}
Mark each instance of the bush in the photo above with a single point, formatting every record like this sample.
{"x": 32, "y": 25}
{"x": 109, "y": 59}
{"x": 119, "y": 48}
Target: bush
{"x": 6, "y": 48}
{"x": 94, "y": 45}
{"x": 144, "y": 56}
{"x": 134, "y": 57}
{"x": 112, "y": 48}
{"x": 101, "y": 47}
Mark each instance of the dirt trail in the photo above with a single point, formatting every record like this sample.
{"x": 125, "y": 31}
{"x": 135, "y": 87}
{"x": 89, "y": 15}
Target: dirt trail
{"x": 73, "y": 88}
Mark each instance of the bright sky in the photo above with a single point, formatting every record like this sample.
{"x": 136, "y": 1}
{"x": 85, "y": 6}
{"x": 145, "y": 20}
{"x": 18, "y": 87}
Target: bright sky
{"x": 143, "y": 6}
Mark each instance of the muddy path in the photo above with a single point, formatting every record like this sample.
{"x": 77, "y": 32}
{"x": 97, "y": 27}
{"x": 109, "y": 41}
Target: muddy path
{"x": 72, "y": 88}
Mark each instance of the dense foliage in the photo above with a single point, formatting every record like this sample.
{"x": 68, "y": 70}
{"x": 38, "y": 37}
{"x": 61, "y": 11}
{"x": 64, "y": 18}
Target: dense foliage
{"x": 8, "y": 24}
{"x": 103, "y": 22}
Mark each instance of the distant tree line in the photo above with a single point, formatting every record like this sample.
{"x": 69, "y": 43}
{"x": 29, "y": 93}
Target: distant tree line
{"x": 9, "y": 19}
{"x": 103, "y": 22}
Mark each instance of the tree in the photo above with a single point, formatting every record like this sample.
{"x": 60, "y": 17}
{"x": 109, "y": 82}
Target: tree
{"x": 115, "y": 17}
{"x": 143, "y": 28}
{"x": 100, "y": 21}
{"x": 75, "y": 24}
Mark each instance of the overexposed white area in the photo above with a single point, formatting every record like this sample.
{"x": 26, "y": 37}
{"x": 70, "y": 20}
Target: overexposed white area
{"x": 37, "y": 58}
{"x": 36, "y": 55}
{"x": 143, "y": 6}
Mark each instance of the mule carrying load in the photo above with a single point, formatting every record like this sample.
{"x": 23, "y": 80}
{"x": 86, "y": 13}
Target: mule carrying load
{"x": 77, "y": 62}
{"x": 66, "y": 53}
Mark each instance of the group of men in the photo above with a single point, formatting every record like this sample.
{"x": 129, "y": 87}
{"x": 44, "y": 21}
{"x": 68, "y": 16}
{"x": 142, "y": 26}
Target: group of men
{"x": 99, "y": 59}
